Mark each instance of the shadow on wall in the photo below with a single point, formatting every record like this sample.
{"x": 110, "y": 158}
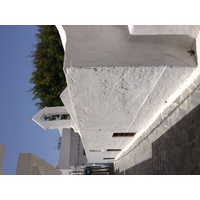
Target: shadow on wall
{"x": 176, "y": 152}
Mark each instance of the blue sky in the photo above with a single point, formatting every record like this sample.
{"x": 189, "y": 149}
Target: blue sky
{"x": 17, "y": 134}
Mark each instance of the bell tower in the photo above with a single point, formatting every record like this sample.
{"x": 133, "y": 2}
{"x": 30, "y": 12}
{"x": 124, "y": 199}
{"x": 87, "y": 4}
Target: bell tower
{"x": 52, "y": 118}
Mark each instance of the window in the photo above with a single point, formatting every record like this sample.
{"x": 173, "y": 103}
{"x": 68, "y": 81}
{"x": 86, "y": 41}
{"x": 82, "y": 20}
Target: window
{"x": 113, "y": 149}
{"x": 108, "y": 158}
{"x": 130, "y": 134}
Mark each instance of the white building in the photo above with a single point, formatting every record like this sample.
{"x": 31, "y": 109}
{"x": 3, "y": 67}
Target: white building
{"x": 72, "y": 157}
{"x": 30, "y": 164}
{"x": 120, "y": 78}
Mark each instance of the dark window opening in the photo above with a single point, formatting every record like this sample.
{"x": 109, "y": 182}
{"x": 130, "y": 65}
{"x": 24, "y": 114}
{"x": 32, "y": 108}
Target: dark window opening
{"x": 113, "y": 149}
{"x": 108, "y": 158}
{"x": 131, "y": 134}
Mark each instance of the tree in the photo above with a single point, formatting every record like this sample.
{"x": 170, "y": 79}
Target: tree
{"x": 48, "y": 78}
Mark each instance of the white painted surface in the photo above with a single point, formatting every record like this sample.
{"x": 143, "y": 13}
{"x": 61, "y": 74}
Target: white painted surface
{"x": 94, "y": 46}
{"x": 116, "y": 83}
{"x": 119, "y": 106}
{"x": 191, "y": 30}
{"x": 62, "y": 35}
{"x": 186, "y": 84}
{"x": 66, "y": 171}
